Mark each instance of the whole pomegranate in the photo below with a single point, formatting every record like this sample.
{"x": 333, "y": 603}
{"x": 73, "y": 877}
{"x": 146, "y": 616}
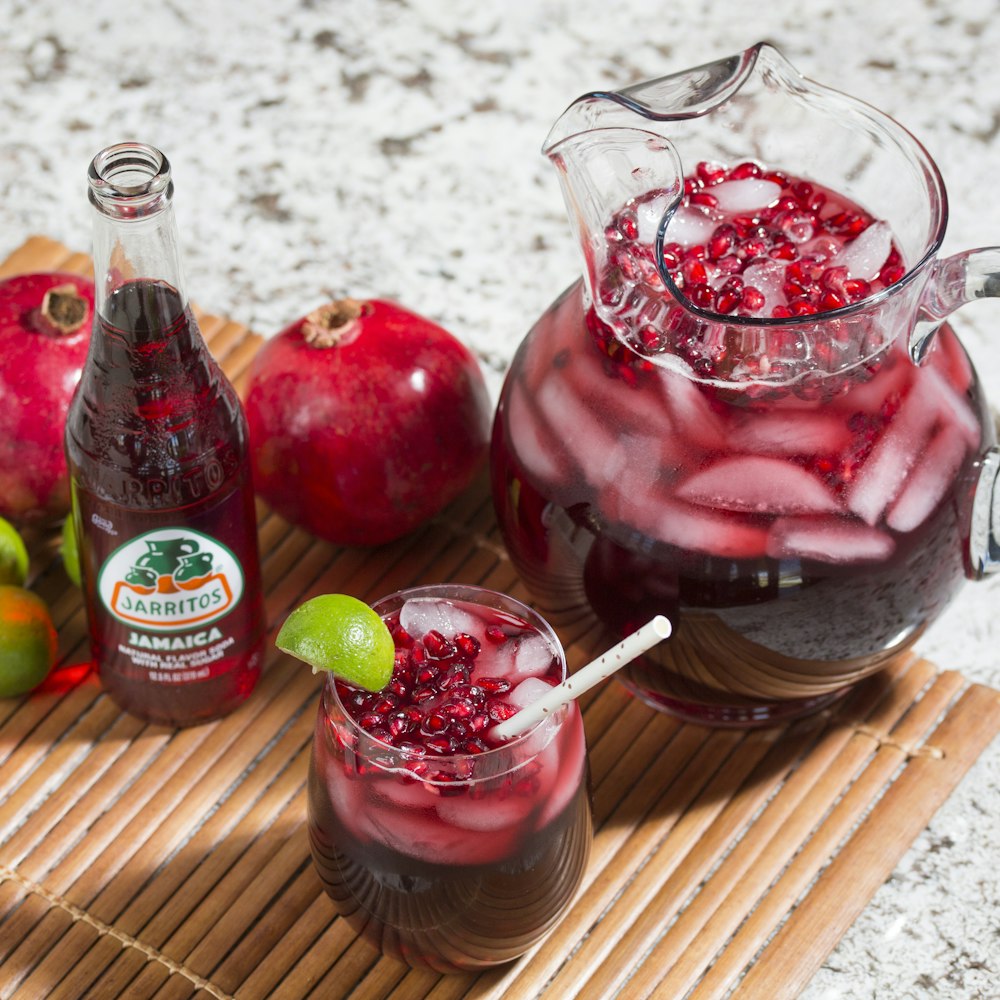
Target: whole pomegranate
{"x": 365, "y": 420}
{"x": 45, "y": 325}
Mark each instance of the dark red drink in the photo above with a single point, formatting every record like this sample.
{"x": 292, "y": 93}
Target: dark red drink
{"x": 797, "y": 531}
{"x": 163, "y": 505}
{"x": 441, "y": 847}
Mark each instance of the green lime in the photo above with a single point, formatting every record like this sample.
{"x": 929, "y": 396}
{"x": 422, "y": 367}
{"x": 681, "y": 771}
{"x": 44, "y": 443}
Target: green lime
{"x": 28, "y": 641}
{"x": 70, "y": 553}
{"x": 13, "y": 555}
{"x": 341, "y": 634}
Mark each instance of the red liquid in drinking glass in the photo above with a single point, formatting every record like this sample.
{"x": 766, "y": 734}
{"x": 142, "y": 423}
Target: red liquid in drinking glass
{"x": 797, "y": 534}
{"x": 437, "y": 845}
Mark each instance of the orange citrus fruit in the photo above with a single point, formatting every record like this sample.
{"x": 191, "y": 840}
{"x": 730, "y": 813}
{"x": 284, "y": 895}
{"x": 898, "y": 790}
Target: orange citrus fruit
{"x": 28, "y": 641}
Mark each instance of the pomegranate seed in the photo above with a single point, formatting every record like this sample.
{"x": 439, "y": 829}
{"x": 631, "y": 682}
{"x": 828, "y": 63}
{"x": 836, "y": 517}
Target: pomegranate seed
{"x": 891, "y": 274}
{"x": 383, "y": 706}
{"x": 651, "y": 339}
{"x": 399, "y": 723}
{"x": 438, "y": 646}
{"x": 474, "y": 746}
{"x": 496, "y": 634}
{"x": 730, "y": 264}
{"x": 435, "y": 722}
{"x": 702, "y": 296}
{"x": 422, "y": 693}
{"x": 831, "y": 300}
{"x": 802, "y": 190}
{"x": 369, "y": 721}
{"x": 705, "y": 199}
{"x": 782, "y": 251}
{"x": 440, "y": 744}
{"x": 462, "y": 709}
{"x": 402, "y": 637}
{"x": 721, "y": 242}
{"x": 499, "y": 711}
{"x": 458, "y": 674}
{"x": 710, "y": 173}
{"x": 752, "y": 298}
{"x": 427, "y": 673}
{"x": 744, "y": 170}
{"x": 751, "y": 248}
{"x": 816, "y": 202}
{"x": 694, "y": 272}
{"x": 672, "y": 253}
{"x": 833, "y": 278}
{"x": 494, "y": 685}
{"x": 627, "y": 225}
{"x": 857, "y": 288}
{"x": 468, "y": 645}
{"x": 416, "y": 749}
{"x": 727, "y": 301}
{"x": 691, "y": 185}
{"x": 479, "y": 722}
{"x": 781, "y": 312}
{"x": 802, "y": 308}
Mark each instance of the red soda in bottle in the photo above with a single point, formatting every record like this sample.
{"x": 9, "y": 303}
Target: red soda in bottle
{"x": 156, "y": 442}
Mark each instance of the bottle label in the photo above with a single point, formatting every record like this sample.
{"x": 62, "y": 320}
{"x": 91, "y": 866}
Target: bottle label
{"x": 170, "y": 580}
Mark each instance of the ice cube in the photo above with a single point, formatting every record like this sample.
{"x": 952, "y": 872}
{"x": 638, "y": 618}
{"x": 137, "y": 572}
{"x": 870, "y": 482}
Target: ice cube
{"x": 529, "y": 691}
{"x": 578, "y": 426}
{"x": 745, "y": 195}
{"x": 768, "y": 277}
{"x": 929, "y": 481}
{"x": 419, "y": 615}
{"x": 829, "y": 540}
{"x": 532, "y": 655}
{"x": 881, "y": 476}
{"x": 696, "y": 528}
{"x": 429, "y": 838}
{"x": 648, "y": 460}
{"x": 689, "y": 227}
{"x": 568, "y": 749}
{"x": 692, "y": 415}
{"x": 346, "y": 792}
{"x": 865, "y": 254}
{"x": 953, "y": 407}
{"x": 648, "y": 215}
{"x": 758, "y": 485}
{"x": 491, "y": 812}
{"x": 535, "y": 451}
{"x": 409, "y": 794}
{"x": 791, "y": 432}
{"x": 957, "y": 367}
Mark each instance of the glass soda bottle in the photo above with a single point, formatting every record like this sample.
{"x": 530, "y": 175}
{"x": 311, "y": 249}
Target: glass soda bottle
{"x": 156, "y": 442}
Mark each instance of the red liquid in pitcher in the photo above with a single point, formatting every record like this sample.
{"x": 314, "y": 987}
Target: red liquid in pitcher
{"x": 451, "y": 853}
{"x": 157, "y": 444}
{"x": 797, "y": 534}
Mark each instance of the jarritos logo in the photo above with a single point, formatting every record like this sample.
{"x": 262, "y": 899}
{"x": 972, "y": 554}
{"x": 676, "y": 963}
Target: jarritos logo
{"x": 170, "y": 579}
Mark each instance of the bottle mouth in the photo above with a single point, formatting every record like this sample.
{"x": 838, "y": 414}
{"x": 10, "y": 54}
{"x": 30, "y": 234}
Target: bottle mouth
{"x": 130, "y": 180}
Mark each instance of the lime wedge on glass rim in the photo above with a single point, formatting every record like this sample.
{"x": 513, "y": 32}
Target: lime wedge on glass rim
{"x": 342, "y": 635}
{"x": 13, "y": 555}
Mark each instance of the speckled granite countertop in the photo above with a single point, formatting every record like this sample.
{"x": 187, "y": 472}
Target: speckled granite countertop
{"x": 391, "y": 147}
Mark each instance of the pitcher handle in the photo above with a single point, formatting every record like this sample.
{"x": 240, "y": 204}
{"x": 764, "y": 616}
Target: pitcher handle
{"x": 953, "y": 281}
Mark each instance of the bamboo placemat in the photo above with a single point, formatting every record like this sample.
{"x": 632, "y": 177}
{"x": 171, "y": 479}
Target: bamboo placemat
{"x": 141, "y": 861}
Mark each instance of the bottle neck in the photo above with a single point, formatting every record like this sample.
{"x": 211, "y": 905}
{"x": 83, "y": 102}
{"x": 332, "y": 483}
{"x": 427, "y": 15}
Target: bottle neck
{"x": 135, "y": 236}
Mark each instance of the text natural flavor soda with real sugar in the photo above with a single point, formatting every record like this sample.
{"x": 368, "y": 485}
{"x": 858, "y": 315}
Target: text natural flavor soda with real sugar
{"x": 157, "y": 447}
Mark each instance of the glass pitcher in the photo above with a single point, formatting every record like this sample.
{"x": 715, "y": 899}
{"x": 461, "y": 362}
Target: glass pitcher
{"x": 749, "y": 414}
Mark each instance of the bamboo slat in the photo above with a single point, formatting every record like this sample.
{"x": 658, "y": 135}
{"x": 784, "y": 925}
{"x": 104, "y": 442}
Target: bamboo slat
{"x": 139, "y": 861}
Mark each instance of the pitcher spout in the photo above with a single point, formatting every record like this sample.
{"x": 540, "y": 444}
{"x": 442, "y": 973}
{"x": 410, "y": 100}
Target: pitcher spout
{"x": 601, "y": 170}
